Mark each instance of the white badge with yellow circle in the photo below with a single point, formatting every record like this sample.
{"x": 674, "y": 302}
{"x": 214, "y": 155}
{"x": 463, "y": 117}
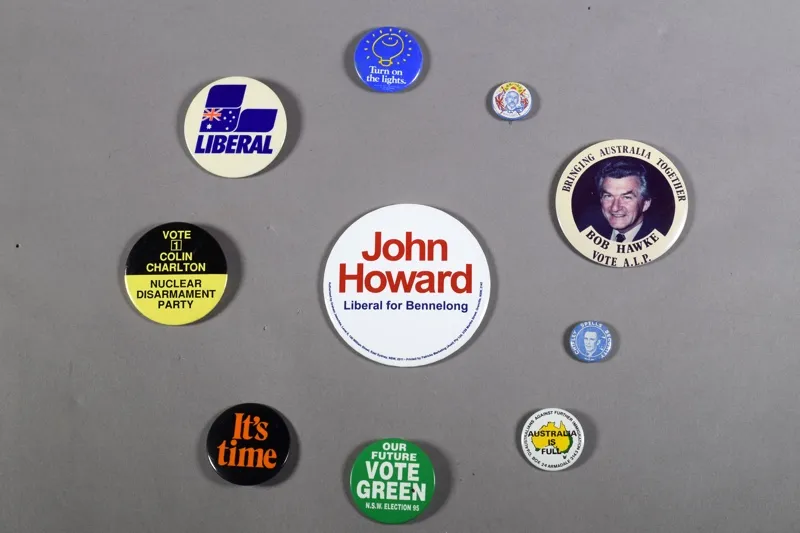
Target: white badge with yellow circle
{"x": 235, "y": 127}
{"x": 552, "y": 439}
{"x": 621, "y": 203}
{"x": 176, "y": 274}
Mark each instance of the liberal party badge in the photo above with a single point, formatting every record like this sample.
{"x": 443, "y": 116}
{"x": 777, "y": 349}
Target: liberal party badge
{"x": 235, "y": 127}
{"x": 512, "y": 101}
{"x": 388, "y": 59}
{"x": 406, "y": 285}
{"x": 590, "y": 341}
{"x": 392, "y": 481}
{"x": 621, "y": 203}
{"x": 248, "y": 444}
{"x": 552, "y": 439}
{"x": 176, "y": 274}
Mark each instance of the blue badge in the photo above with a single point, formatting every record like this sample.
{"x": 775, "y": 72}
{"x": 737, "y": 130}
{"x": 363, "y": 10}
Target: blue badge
{"x": 388, "y": 59}
{"x": 590, "y": 341}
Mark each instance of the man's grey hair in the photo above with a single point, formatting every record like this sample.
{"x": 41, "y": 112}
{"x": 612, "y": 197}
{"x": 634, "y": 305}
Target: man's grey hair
{"x": 622, "y": 167}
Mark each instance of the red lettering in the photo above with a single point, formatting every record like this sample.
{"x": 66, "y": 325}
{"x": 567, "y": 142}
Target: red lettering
{"x": 358, "y": 277}
{"x": 442, "y": 245}
{"x": 401, "y": 279}
{"x": 381, "y": 281}
{"x": 467, "y": 277}
{"x": 375, "y": 254}
{"x": 422, "y": 281}
{"x": 442, "y": 277}
{"x": 405, "y": 250}
{"x": 410, "y": 242}
{"x": 400, "y": 250}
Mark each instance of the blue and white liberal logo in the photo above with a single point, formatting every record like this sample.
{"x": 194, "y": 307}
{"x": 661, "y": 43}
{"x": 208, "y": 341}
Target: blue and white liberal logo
{"x": 590, "y": 341}
{"x": 223, "y": 113}
{"x": 235, "y": 127}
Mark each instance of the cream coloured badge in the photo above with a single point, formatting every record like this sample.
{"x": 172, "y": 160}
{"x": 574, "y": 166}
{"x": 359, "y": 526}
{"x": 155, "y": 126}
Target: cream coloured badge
{"x": 235, "y": 127}
{"x": 621, "y": 203}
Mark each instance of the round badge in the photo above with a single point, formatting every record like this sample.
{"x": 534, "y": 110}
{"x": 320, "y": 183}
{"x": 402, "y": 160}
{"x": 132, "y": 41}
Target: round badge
{"x": 176, "y": 274}
{"x": 392, "y": 481}
{"x": 552, "y": 439}
{"x": 590, "y": 341}
{"x": 621, "y": 203}
{"x": 388, "y": 59}
{"x": 406, "y": 285}
{"x": 235, "y": 127}
{"x": 512, "y": 101}
{"x": 248, "y": 444}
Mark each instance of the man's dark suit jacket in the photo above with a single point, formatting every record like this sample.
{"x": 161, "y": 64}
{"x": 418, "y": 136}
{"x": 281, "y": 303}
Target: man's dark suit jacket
{"x": 594, "y": 217}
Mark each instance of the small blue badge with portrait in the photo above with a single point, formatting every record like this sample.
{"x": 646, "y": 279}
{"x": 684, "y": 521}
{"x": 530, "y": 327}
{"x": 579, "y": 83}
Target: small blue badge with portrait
{"x": 388, "y": 59}
{"x": 590, "y": 342}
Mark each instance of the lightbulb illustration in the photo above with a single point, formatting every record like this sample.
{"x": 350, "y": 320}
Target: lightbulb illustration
{"x": 387, "y": 47}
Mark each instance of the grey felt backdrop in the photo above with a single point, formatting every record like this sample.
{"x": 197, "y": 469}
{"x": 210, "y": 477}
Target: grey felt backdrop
{"x": 693, "y": 425}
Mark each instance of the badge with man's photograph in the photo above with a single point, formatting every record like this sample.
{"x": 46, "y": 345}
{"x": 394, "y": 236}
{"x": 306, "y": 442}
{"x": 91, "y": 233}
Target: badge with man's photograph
{"x": 621, "y": 203}
{"x": 590, "y": 341}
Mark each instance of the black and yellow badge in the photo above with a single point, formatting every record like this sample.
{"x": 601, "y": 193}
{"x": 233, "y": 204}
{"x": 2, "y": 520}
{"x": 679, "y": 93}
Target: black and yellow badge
{"x": 176, "y": 274}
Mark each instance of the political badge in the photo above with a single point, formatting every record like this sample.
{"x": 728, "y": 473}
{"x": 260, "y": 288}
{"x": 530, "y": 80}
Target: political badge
{"x": 512, "y": 101}
{"x": 176, "y": 274}
{"x": 552, "y": 439}
{"x": 235, "y": 127}
{"x": 406, "y": 285}
{"x": 621, "y": 203}
{"x": 388, "y": 59}
{"x": 590, "y": 341}
{"x": 248, "y": 444}
{"x": 392, "y": 481}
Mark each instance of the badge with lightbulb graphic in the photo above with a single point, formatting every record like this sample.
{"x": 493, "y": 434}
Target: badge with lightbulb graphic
{"x": 388, "y": 59}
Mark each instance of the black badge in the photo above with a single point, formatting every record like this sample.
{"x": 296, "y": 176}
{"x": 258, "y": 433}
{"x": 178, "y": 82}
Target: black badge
{"x": 176, "y": 274}
{"x": 248, "y": 444}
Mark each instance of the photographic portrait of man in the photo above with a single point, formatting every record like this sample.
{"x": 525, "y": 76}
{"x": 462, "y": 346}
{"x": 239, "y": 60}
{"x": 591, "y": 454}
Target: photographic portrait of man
{"x": 623, "y": 205}
{"x": 590, "y": 342}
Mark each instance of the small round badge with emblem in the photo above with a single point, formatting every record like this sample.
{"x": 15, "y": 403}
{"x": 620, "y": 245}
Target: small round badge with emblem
{"x": 590, "y": 341}
{"x": 552, "y": 439}
{"x": 248, "y": 444}
{"x": 388, "y": 59}
{"x": 512, "y": 101}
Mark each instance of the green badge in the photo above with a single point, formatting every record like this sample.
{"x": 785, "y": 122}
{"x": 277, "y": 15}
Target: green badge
{"x": 392, "y": 481}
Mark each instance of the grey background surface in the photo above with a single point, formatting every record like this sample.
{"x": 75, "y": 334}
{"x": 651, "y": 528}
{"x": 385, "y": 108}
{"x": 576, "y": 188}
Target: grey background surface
{"x": 694, "y": 423}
